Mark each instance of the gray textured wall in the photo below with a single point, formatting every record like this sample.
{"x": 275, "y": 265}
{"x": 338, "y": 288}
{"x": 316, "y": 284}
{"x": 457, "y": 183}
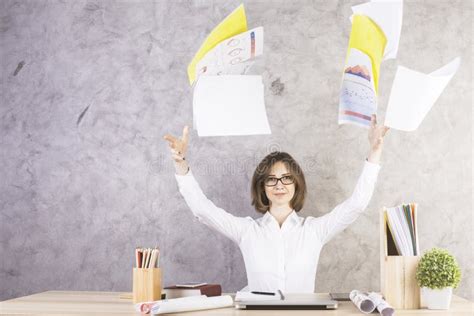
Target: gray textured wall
{"x": 90, "y": 87}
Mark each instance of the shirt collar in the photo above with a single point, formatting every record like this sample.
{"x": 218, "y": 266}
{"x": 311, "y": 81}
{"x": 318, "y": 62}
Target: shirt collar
{"x": 292, "y": 220}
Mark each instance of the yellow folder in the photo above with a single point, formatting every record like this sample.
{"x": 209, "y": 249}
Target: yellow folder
{"x": 235, "y": 23}
{"x": 367, "y": 37}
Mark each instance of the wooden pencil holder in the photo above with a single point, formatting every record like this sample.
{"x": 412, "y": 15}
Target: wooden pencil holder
{"x": 146, "y": 285}
{"x": 398, "y": 275}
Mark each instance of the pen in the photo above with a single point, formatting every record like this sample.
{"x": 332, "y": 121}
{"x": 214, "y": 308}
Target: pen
{"x": 262, "y": 293}
{"x": 281, "y": 294}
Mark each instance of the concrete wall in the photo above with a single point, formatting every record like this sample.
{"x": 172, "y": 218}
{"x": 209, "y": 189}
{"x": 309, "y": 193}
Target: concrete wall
{"x": 90, "y": 87}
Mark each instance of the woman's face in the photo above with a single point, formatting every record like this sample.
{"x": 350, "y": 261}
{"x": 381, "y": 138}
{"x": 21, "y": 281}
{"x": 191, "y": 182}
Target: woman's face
{"x": 280, "y": 194}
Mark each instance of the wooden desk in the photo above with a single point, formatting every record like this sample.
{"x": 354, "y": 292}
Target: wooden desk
{"x": 100, "y": 303}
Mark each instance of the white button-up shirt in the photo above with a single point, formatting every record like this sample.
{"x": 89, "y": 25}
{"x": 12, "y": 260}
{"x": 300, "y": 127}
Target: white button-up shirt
{"x": 283, "y": 258}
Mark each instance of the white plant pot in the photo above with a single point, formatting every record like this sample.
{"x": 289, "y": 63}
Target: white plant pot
{"x": 436, "y": 298}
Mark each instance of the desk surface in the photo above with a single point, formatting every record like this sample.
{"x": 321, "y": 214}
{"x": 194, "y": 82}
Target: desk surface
{"x": 119, "y": 303}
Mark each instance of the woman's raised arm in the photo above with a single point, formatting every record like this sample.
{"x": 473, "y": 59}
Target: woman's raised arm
{"x": 347, "y": 212}
{"x": 227, "y": 224}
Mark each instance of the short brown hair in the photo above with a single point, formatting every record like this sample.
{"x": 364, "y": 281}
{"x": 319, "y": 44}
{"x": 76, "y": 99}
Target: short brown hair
{"x": 259, "y": 197}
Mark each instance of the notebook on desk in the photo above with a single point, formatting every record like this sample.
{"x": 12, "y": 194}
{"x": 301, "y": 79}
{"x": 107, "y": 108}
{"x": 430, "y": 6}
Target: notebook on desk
{"x": 287, "y": 304}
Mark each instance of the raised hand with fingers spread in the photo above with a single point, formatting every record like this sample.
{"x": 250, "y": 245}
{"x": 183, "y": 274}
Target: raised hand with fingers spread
{"x": 178, "y": 148}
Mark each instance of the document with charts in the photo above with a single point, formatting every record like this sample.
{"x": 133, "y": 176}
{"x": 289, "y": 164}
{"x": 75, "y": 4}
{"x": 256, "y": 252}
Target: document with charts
{"x": 357, "y": 101}
{"x": 235, "y": 23}
{"x": 233, "y": 56}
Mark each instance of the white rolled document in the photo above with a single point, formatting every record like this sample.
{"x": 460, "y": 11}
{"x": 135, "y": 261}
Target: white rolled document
{"x": 368, "y": 302}
{"x": 184, "y": 304}
{"x": 362, "y": 301}
{"x": 382, "y": 306}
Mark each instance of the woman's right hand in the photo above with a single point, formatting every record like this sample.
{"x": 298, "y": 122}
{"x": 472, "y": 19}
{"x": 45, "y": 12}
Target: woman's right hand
{"x": 178, "y": 147}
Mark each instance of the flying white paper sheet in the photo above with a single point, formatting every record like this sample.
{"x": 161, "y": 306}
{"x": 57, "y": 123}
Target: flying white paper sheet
{"x": 388, "y": 14}
{"x": 414, "y": 93}
{"x": 229, "y": 105}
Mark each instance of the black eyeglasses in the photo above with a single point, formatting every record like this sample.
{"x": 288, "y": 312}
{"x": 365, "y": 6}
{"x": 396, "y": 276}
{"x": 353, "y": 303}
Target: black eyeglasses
{"x": 272, "y": 181}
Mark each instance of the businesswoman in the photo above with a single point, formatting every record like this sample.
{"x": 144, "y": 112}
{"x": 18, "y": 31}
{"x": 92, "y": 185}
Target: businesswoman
{"x": 280, "y": 249}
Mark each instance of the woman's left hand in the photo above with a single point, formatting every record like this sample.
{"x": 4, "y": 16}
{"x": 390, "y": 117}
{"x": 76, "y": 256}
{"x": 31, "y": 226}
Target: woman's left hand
{"x": 376, "y": 135}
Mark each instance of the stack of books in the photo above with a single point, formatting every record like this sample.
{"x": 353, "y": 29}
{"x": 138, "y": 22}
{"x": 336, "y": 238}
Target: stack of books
{"x": 402, "y": 233}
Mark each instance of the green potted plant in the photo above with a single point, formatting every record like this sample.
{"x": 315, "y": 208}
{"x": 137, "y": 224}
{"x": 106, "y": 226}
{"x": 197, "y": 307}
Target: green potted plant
{"x": 437, "y": 274}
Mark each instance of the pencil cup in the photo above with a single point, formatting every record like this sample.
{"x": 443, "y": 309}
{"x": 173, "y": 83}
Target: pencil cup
{"x": 146, "y": 285}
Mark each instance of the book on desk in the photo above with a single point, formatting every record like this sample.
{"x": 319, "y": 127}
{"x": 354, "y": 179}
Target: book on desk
{"x": 183, "y": 290}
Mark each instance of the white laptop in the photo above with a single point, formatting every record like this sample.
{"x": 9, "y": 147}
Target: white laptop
{"x": 288, "y": 304}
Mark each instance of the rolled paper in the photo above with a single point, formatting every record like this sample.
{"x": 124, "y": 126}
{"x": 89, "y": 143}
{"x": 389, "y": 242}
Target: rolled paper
{"x": 144, "y": 307}
{"x": 147, "y": 307}
{"x": 191, "y": 303}
{"x": 382, "y": 306}
{"x": 362, "y": 302}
